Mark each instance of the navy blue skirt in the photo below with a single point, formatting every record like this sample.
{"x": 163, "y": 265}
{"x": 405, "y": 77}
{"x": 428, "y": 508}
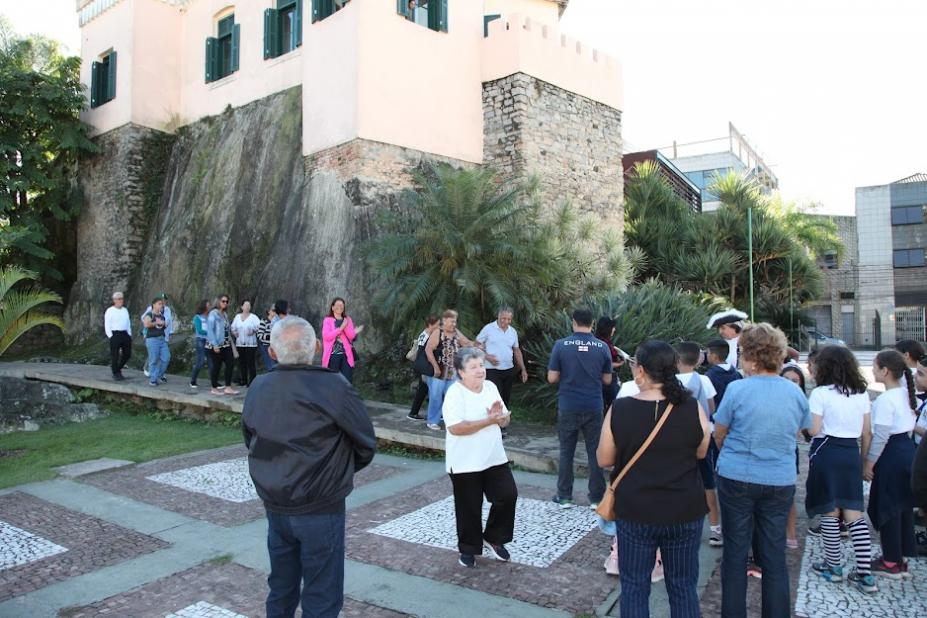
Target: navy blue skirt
{"x": 707, "y": 466}
{"x": 890, "y": 494}
{"x": 835, "y": 476}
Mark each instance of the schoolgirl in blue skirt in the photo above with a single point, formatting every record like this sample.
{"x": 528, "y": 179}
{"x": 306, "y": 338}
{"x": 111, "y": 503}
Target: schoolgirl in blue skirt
{"x": 888, "y": 465}
{"x": 839, "y": 421}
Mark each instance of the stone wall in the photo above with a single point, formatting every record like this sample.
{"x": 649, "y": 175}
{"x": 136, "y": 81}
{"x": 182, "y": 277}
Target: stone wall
{"x": 573, "y": 144}
{"x": 122, "y": 189}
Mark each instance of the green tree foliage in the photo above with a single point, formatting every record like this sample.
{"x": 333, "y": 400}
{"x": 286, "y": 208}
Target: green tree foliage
{"x": 708, "y": 253}
{"x": 465, "y": 241}
{"x": 20, "y": 309}
{"x": 650, "y": 310}
{"x": 41, "y": 138}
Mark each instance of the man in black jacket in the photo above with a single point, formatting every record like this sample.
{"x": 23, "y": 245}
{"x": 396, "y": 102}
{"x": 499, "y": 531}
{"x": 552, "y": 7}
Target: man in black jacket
{"x": 307, "y": 433}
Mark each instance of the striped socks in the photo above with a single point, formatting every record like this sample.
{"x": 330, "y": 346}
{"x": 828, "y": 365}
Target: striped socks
{"x": 830, "y": 534}
{"x": 862, "y": 545}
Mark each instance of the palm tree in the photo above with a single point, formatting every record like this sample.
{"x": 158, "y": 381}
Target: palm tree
{"x": 19, "y": 309}
{"x": 467, "y": 241}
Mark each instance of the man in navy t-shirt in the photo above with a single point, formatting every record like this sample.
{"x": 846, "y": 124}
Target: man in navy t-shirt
{"x": 580, "y": 364}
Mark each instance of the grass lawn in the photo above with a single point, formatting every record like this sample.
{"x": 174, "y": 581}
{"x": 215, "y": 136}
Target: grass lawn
{"x": 127, "y": 433}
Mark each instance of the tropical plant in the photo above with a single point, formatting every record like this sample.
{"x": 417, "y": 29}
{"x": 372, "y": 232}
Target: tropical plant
{"x": 41, "y": 138}
{"x": 650, "y": 310}
{"x": 466, "y": 241}
{"x": 20, "y": 309}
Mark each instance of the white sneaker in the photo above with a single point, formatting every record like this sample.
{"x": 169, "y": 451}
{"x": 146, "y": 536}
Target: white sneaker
{"x": 434, "y": 426}
{"x": 145, "y": 371}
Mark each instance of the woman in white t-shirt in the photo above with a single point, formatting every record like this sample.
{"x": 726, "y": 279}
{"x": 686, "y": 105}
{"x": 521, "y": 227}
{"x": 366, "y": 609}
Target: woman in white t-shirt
{"x": 476, "y": 461}
{"x": 244, "y": 328}
{"x": 888, "y": 465}
{"x": 839, "y": 421}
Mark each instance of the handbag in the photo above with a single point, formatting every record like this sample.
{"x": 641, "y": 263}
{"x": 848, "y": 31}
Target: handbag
{"x": 422, "y": 365}
{"x": 606, "y": 508}
{"x": 412, "y": 354}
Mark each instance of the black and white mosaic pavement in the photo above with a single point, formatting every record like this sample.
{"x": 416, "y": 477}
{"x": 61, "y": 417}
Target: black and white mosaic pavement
{"x": 817, "y": 598}
{"x": 545, "y": 530}
{"x": 20, "y": 547}
{"x": 202, "y": 609}
{"x": 227, "y": 480}
{"x": 52, "y": 543}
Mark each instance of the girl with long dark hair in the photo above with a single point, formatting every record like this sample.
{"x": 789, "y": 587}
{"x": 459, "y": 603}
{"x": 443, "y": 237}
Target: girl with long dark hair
{"x": 840, "y": 421}
{"x": 888, "y": 465}
{"x": 660, "y": 502}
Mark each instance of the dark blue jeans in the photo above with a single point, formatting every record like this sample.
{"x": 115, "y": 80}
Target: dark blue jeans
{"x": 569, "y": 424}
{"x": 203, "y": 359}
{"x": 637, "y": 549}
{"x": 307, "y": 549}
{"x": 265, "y": 354}
{"x": 765, "y": 508}
{"x": 339, "y": 362}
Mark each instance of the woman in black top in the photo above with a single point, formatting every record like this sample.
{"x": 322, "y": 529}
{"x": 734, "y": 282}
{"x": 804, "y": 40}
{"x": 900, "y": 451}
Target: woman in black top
{"x": 660, "y": 503}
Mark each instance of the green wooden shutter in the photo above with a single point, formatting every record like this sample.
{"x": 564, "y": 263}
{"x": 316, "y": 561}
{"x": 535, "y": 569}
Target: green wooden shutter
{"x": 212, "y": 49}
{"x": 486, "y": 20}
{"x": 299, "y": 23}
{"x": 402, "y": 7}
{"x": 271, "y": 33}
{"x": 111, "y": 78}
{"x": 316, "y": 10}
{"x": 94, "y": 84}
{"x": 236, "y": 44}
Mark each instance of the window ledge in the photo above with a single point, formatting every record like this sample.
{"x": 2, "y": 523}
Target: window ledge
{"x": 290, "y": 55}
{"x": 222, "y": 82}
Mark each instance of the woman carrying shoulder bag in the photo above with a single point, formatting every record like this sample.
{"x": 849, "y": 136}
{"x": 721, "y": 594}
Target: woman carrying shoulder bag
{"x": 654, "y": 441}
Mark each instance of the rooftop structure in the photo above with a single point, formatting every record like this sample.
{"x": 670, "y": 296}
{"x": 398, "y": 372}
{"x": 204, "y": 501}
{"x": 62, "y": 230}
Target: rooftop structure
{"x": 687, "y": 190}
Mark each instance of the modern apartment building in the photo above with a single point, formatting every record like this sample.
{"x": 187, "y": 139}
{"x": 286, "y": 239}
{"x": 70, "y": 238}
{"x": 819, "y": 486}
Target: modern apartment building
{"x": 705, "y": 160}
{"x": 892, "y": 233}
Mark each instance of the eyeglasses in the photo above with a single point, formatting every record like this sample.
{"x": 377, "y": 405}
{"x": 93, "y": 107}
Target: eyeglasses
{"x": 224, "y": 301}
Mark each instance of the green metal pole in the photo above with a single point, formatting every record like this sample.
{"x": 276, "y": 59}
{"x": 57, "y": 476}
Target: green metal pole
{"x": 791, "y": 306}
{"x": 750, "y": 253}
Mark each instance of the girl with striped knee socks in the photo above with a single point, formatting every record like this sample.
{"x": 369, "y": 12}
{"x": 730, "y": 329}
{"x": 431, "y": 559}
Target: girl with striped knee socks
{"x": 840, "y": 419}
{"x": 888, "y": 465}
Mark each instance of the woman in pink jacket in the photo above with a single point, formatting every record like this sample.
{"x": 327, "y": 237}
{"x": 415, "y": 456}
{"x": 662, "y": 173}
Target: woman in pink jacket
{"x": 338, "y": 333}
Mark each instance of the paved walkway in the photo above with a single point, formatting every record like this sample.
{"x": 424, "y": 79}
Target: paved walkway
{"x": 185, "y": 537}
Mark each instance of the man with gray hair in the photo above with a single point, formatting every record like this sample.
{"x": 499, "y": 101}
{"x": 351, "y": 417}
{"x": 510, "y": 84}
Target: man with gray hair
{"x": 118, "y": 327}
{"x": 503, "y": 356}
{"x": 307, "y": 433}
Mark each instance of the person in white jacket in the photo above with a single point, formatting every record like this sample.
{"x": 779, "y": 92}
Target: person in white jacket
{"x": 244, "y": 328}
{"x": 118, "y": 327}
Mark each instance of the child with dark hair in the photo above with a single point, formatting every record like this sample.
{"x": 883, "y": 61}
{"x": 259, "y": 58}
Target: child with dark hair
{"x": 604, "y": 332}
{"x": 889, "y": 460}
{"x": 840, "y": 421}
{"x": 794, "y": 374}
{"x": 703, "y": 390}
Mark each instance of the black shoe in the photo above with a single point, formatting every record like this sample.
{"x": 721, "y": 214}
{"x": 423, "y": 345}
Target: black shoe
{"x": 118, "y": 377}
{"x": 505, "y": 433}
{"x": 414, "y": 417}
{"x": 499, "y": 552}
{"x": 467, "y": 560}
{"x": 163, "y": 380}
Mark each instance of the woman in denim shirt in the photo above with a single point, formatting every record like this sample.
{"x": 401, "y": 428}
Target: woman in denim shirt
{"x": 756, "y": 428}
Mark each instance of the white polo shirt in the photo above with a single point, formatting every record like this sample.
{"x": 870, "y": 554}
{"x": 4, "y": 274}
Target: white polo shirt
{"x": 499, "y": 343}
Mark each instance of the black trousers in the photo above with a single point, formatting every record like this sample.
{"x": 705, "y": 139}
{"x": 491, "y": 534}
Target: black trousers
{"x": 897, "y": 537}
{"x": 224, "y": 357}
{"x": 120, "y": 350}
{"x": 503, "y": 379}
{"x": 247, "y": 364}
{"x": 420, "y": 393}
{"x": 498, "y": 484}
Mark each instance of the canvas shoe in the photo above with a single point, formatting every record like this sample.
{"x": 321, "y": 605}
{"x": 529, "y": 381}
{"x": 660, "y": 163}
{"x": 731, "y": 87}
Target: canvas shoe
{"x": 863, "y": 583}
{"x": 467, "y": 560}
{"x": 564, "y": 503}
{"x": 830, "y": 573}
{"x": 499, "y": 552}
{"x": 883, "y": 570}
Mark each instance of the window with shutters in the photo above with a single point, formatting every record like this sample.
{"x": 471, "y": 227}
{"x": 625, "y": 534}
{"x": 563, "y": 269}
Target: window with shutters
{"x": 429, "y": 13}
{"x": 222, "y": 50}
{"x": 103, "y": 80}
{"x": 326, "y": 8}
{"x": 283, "y": 28}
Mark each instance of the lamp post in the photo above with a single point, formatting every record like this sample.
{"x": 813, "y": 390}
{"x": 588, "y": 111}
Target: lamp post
{"x": 750, "y": 253}
{"x": 791, "y": 305}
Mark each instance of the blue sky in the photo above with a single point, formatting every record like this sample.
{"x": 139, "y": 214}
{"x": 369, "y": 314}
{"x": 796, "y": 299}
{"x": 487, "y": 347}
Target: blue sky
{"x": 832, "y": 93}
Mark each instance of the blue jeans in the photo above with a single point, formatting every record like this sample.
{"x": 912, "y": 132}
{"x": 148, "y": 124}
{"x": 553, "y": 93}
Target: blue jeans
{"x": 745, "y": 506}
{"x": 569, "y": 424}
{"x": 307, "y": 549}
{"x": 637, "y": 549}
{"x": 436, "y": 390}
{"x": 265, "y": 354}
{"x": 203, "y": 359}
{"x": 159, "y": 355}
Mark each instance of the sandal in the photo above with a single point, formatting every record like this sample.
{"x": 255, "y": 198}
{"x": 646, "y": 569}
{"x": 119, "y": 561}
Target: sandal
{"x": 216, "y": 391}
{"x": 230, "y": 391}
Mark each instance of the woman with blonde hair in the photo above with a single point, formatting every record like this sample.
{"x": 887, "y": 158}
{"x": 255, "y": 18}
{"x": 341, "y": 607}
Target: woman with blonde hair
{"x": 442, "y": 346}
{"x": 756, "y": 427}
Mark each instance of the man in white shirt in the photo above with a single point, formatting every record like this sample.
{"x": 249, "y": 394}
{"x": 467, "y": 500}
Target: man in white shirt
{"x": 503, "y": 356}
{"x": 118, "y": 327}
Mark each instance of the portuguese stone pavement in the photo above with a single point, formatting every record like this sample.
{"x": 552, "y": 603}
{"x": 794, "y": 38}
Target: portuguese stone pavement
{"x": 184, "y": 538}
